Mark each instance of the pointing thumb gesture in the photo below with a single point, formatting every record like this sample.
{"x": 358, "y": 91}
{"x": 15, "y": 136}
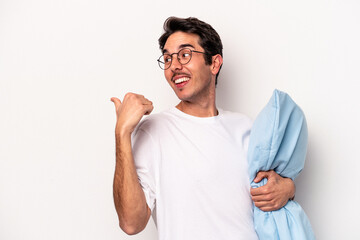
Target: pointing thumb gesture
{"x": 130, "y": 111}
{"x": 117, "y": 104}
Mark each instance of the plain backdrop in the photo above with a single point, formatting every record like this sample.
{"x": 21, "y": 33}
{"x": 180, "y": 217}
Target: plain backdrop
{"x": 62, "y": 60}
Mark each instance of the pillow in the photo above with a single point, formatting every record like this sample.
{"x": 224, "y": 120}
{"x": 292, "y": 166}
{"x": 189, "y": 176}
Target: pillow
{"x": 278, "y": 141}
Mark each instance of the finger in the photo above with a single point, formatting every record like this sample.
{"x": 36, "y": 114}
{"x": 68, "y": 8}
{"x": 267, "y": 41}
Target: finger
{"x": 267, "y": 209}
{"x": 262, "y": 204}
{"x": 255, "y": 192}
{"x": 148, "y": 105}
{"x": 271, "y": 174}
{"x": 148, "y": 109}
{"x": 145, "y": 100}
{"x": 260, "y": 175}
{"x": 116, "y": 102}
{"x": 263, "y": 190}
{"x": 261, "y": 198}
{"x": 269, "y": 206}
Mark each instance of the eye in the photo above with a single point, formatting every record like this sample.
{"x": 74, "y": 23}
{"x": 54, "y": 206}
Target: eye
{"x": 185, "y": 55}
{"x": 167, "y": 58}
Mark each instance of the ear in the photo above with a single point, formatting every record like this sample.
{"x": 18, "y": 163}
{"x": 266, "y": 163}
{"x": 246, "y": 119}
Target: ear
{"x": 217, "y": 61}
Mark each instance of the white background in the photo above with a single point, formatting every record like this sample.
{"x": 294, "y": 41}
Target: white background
{"x": 61, "y": 61}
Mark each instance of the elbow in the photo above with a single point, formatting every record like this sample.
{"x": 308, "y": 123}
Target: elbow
{"x": 130, "y": 229}
{"x": 132, "y": 223}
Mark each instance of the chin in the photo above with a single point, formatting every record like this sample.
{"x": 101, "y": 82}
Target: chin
{"x": 182, "y": 95}
{"x": 185, "y": 98}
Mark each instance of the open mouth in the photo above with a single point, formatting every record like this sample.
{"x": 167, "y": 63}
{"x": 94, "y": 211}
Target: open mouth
{"x": 181, "y": 80}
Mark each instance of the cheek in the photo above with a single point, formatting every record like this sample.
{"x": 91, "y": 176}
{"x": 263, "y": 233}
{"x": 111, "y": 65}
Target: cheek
{"x": 205, "y": 73}
{"x": 167, "y": 75}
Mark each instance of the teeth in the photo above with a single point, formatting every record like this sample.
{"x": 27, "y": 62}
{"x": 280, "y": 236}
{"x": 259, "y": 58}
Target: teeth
{"x": 180, "y": 80}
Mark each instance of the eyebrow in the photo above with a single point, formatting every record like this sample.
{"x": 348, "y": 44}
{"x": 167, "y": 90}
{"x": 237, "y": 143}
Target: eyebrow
{"x": 180, "y": 47}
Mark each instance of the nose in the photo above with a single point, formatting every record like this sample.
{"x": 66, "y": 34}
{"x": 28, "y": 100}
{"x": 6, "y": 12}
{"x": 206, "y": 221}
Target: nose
{"x": 175, "y": 63}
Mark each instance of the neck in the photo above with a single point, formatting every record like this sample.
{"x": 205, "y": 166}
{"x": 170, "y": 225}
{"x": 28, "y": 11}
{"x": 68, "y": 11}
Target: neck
{"x": 202, "y": 109}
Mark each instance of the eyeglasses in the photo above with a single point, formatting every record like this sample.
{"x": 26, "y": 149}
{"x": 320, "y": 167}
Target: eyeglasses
{"x": 183, "y": 56}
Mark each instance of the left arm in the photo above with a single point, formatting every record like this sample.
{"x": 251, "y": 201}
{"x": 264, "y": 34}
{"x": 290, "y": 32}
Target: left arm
{"x": 274, "y": 194}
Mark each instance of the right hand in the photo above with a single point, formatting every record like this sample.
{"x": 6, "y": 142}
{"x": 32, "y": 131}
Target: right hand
{"x": 130, "y": 111}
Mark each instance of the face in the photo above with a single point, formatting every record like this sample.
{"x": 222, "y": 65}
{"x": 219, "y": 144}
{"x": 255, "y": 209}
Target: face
{"x": 195, "y": 80}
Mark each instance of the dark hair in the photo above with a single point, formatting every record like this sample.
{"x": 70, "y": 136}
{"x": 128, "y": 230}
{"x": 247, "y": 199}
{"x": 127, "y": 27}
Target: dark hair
{"x": 209, "y": 39}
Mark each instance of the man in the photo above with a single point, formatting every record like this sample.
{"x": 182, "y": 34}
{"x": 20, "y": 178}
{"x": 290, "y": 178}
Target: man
{"x": 187, "y": 166}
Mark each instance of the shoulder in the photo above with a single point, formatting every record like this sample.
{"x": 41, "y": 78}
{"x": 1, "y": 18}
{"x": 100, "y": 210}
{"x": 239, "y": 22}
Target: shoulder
{"x": 236, "y": 119}
{"x": 239, "y": 126}
{"x": 154, "y": 122}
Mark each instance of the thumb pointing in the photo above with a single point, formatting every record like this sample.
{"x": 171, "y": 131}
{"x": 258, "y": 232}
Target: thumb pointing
{"x": 116, "y": 102}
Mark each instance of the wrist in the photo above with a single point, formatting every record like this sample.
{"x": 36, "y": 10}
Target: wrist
{"x": 121, "y": 131}
{"x": 292, "y": 189}
{"x": 122, "y": 135}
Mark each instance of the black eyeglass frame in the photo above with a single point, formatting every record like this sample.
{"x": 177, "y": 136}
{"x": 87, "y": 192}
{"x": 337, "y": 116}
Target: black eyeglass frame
{"x": 171, "y": 55}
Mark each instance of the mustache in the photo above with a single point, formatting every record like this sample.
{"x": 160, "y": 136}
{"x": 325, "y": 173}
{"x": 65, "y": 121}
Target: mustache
{"x": 179, "y": 73}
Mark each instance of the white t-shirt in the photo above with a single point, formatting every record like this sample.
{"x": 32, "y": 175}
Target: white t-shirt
{"x": 194, "y": 175}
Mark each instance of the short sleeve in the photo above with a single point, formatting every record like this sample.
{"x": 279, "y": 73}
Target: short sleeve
{"x": 144, "y": 150}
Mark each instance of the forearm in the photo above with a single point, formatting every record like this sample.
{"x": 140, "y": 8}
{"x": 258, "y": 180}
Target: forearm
{"x": 129, "y": 197}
